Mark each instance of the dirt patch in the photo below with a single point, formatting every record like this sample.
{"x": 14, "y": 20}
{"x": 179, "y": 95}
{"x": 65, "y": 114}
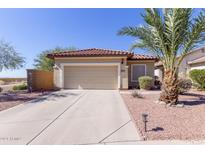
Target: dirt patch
{"x": 169, "y": 122}
{"x": 11, "y": 99}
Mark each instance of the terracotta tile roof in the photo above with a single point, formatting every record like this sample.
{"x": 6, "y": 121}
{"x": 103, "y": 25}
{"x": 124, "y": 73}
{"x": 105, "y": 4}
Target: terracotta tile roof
{"x": 100, "y": 52}
{"x": 90, "y": 52}
{"x": 142, "y": 57}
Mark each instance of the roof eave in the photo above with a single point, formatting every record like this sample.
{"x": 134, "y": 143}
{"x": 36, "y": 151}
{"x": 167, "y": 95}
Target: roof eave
{"x": 141, "y": 59}
{"x": 54, "y": 56}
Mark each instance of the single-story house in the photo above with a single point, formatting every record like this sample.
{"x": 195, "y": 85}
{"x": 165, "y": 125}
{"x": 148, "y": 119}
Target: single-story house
{"x": 100, "y": 69}
{"x": 194, "y": 59}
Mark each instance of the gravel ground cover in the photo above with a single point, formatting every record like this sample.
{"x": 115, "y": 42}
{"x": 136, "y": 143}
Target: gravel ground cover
{"x": 11, "y": 99}
{"x": 167, "y": 123}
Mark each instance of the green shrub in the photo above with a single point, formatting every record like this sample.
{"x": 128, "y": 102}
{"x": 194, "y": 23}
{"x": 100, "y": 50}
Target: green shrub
{"x": 198, "y": 77}
{"x": 184, "y": 85}
{"x": 145, "y": 82}
{"x": 20, "y": 87}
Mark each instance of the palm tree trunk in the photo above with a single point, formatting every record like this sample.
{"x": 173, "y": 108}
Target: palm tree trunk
{"x": 169, "y": 93}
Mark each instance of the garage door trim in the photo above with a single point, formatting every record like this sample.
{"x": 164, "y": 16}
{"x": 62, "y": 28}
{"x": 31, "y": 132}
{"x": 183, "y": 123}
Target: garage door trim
{"x": 88, "y": 64}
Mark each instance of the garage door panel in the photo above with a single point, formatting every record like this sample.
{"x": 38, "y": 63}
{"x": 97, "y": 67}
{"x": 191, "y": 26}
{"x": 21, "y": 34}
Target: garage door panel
{"x": 90, "y": 77}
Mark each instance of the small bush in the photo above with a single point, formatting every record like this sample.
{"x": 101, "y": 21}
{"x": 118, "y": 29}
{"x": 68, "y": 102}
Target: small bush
{"x": 2, "y": 82}
{"x": 20, "y": 87}
{"x": 184, "y": 85}
{"x": 137, "y": 94}
{"x": 145, "y": 82}
{"x": 198, "y": 77}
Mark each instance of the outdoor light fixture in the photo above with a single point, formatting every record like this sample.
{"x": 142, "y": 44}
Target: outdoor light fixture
{"x": 144, "y": 119}
{"x": 55, "y": 67}
{"x": 122, "y": 61}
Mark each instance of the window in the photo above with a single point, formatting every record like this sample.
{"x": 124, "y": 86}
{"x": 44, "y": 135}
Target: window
{"x": 137, "y": 70}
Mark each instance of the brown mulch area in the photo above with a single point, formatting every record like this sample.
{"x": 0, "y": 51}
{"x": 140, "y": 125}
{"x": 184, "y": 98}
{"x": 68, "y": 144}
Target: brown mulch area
{"x": 187, "y": 123}
{"x": 11, "y": 99}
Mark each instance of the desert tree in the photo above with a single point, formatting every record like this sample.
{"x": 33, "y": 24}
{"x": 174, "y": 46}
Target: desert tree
{"x": 9, "y": 57}
{"x": 42, "y": 62}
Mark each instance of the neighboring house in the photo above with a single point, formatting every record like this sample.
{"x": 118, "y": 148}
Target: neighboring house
{"x": 195, "y": 59}
{"x": 100, "y": 69}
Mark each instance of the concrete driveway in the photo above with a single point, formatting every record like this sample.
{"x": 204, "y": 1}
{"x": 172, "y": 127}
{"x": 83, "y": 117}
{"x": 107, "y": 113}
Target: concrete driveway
{"x": 69, "y": 117}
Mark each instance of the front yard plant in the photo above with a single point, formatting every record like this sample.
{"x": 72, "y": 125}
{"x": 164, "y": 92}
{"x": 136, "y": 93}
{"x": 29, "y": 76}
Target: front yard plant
{"x": 184, "y": 85}
{"x": 137, "y": 94}
{"x": 20, "y": 87}
{"x": 198, "y": 77}
{"x": 145, "y": 82}
{"x": 169, "y": 33}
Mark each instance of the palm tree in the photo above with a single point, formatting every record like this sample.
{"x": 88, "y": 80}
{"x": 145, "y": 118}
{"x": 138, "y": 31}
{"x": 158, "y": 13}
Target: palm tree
{"x": 168, "y": 34}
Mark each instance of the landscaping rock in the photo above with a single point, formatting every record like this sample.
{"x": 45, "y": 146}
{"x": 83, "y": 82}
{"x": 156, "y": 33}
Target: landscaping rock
{"x": 169, "y": 123}
{"x": 180, "y": 105}
{"x": 169, "y": 105}
{"x": 160, "y": 102}
{"x": 177, "y": 105}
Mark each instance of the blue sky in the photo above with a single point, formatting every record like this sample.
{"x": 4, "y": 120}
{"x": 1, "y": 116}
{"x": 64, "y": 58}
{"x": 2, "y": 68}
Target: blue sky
{"x": 33, "y": 30}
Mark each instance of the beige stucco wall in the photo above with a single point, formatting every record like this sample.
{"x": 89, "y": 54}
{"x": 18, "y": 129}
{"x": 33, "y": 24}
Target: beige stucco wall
{"x": 123, "y": 71}
{"x": 56, "y": 78}
{"x": 184, "y": 68}
{"x": 149, "y": 70}
{"x": 197, "y": 66}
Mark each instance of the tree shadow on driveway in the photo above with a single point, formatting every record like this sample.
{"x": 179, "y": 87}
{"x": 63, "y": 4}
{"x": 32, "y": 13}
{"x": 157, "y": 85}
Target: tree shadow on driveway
{"x": 53, "y": 97}
{"x": 22, "y": 96}
{"x": 18, "y": 97}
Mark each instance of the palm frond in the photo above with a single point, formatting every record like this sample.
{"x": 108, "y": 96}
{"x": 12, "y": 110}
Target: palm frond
{"x": 168, "y": 33}
{"x": 130, "y": 31}
{"x": 195, "y": 37}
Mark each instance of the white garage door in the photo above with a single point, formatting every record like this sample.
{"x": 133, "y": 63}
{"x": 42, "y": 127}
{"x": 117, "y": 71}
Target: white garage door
{"x": 90, "y": 77}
